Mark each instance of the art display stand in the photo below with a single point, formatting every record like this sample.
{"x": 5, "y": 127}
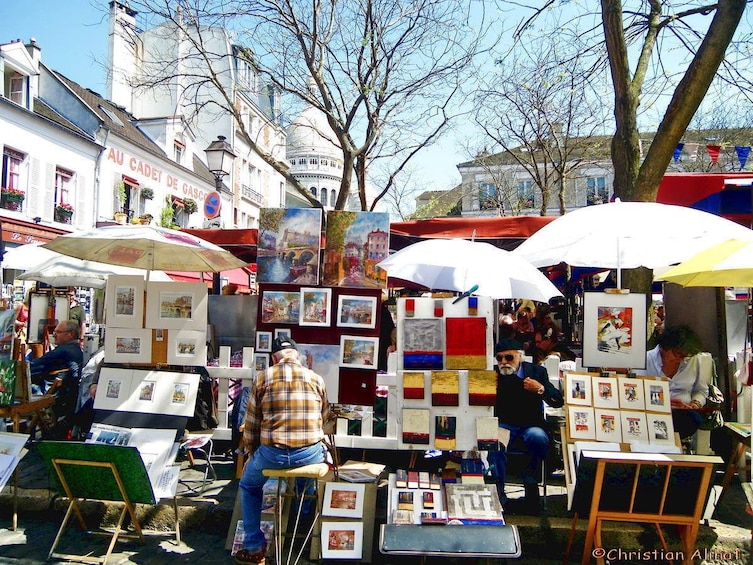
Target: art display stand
{"x": 96, "y": 471}
{"x": 644, "y": 488}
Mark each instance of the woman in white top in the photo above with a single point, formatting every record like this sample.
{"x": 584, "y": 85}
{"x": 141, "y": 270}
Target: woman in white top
{"x": 676, "y": 359}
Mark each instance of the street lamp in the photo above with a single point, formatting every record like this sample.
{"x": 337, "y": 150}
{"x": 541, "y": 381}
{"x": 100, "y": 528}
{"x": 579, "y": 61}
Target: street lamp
{"x": 220, "y": 157}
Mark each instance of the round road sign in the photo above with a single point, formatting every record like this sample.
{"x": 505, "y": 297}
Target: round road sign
{"x": 212, "y": 204}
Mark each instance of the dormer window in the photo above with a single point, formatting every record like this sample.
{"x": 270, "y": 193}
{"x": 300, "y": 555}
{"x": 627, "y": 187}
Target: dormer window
{"x": 17, "y": 91}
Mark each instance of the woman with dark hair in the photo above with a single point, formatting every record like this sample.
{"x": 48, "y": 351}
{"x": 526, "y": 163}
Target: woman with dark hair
{"x": 676, "y": 358}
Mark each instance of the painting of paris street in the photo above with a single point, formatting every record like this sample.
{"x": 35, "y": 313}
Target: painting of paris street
{"x": 288, "y": 247}
{"x": 355, "y": 243}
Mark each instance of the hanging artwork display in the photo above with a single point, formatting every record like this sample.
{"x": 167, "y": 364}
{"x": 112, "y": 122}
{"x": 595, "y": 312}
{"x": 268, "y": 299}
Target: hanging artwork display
{"x": 128, "y": 345}
{"x": 289, "y": 244}
{"x": 187, "y": 347}
{"x": 416, "y": 428}
{"x": 176, "y": 306}
{"x": 608, "y": 425}
{"x": 355, "y": 243}
{"x": 413, "y": 385}
{"x": 581, "y": 424}
{"x": 445, "y": 388}
{"x": 356, "y": 311}
{"x": 344, "y": 500}
{"x": 631, "y": 393}
{"x": 342, "y": 540}
{"x": 358, "y": 351}
{"x": 315, "y": 307}
{"x": 465, "y": 343}
{"x": 280, "y": 307}
{"x": 445, "y": 432}
{"x": 482, "y": 387}
{"x": 660, "y": 428}
{"x": 634, "y": 427}
{"x": 324, "y": 360}
{"x": 605, "y": 392}
{"x": 614, "y": 330}
{"x": 423, "y": 344}
{"x": 657, "y": 395}
{"x": 578, "y": 389}
{"x": 125, "y": 301}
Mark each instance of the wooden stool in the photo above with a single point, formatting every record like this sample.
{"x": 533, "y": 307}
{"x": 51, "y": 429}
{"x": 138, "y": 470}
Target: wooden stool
{"x": 312, "y": 473}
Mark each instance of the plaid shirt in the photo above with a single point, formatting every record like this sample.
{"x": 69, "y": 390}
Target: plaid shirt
{"x": 287, "y": 406}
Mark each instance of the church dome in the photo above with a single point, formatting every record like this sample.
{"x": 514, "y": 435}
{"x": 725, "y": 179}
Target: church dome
{"x": 310, "y": 134}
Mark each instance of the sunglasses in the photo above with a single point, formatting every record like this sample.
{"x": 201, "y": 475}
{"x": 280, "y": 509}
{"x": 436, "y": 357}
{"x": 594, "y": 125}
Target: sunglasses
{"x": 505, "y": 357}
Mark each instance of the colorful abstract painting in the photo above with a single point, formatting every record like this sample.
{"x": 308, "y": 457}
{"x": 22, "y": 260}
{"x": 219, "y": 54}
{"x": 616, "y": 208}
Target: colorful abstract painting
{"x": 445, "y": 388}
{"x": 445, "y": 429}
{"x": 482, "y": 387}
{"x": 413, "y": 385}
{"x": 288, "y": 246}
{"x": 423, "y": 343}
{"x": 466, "y": 343}
{"x": 416, "y": 427}
{"x": 356, "y": 242}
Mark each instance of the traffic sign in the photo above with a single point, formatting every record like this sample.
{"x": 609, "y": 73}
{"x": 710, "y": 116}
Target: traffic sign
{"x": 212, "y": 204}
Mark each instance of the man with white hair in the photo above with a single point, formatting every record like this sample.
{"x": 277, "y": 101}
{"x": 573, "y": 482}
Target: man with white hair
{"x": 522, "y": 388}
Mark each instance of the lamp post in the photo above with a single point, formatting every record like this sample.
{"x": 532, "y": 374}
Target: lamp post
{"x": 220, "y": 157}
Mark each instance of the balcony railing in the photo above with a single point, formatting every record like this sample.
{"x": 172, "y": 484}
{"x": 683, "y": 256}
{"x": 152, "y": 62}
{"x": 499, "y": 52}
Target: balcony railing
{"x": 251, "y": 194}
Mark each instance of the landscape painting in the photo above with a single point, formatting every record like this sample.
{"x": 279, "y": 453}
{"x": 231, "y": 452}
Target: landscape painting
{"x": 356, "y": 242}
{"x": 288, "y": 248}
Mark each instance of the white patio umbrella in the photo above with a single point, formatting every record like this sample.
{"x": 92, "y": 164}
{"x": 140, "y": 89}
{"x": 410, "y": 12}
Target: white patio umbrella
{"x": 459, "y": 264}
{"x": 25, "y": 257}
{"x": 146, "y": 247}
{"x": 625, "y": 235}
{"x": 62, "y": 270}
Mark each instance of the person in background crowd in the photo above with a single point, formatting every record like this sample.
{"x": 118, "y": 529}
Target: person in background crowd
{"x": 522, "y": 388}
{"x": 76, "y": 314}
{"x": 523, "y": 326}
{"x": 284, "y": 428}
{"x": 676, "y": 359}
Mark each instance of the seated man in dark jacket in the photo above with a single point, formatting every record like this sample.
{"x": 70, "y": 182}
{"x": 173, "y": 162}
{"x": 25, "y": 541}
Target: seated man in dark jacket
{"x": 522, "y": 388}
{"x": 62, "y": 365}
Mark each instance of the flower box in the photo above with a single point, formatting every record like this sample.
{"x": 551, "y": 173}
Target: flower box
{"x": 11, "y": 198}
{"x": 63, "y": 213}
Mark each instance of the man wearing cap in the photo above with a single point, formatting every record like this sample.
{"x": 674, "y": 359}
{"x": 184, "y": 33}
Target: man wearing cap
{"x": 522, "y": 388}
{"x": 287, "y": 409}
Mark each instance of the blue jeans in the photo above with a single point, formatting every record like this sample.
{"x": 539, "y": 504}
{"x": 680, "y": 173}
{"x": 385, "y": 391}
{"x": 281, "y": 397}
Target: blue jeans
{"x": 536, "y": 443}
{"x": 252, "y": 484}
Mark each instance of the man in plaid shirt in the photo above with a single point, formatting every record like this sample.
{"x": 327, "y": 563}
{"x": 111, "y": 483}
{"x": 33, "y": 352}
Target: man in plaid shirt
{"x": 287, "y": 409}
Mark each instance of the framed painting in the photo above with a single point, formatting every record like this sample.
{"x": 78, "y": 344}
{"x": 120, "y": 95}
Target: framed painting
{"x": 614, "y": 330}
{"x": 280, "y": 307}
{"x": 581, "y": 423}
{"x": 114, "y": 388}
{"x": 315, "y": 309}
{"x": 344, "y": 500}
{"x": 342, "y": 540}
{"x": 176, "y": 306}
{"x": 354, "y": 243}
{"x": 124, "y": 301}
{"x": 127, "y": 345}
{"x": 358, "y": 351}
{"x": 164, "y": 392}
{"x": 631, "y": 393}
{"x": 263, "y": 342}
{"x": 578, "y": 389}
{"x": 261, "y": 361}
{"x": 423, "y": 343}
{"x": 657, "y": 395}
{"x": 187, "y": 347}
{"x": 324, "y": 360}
{"x": 356, "y": 311}
{"x": 605, "y": 392}
{"x": 288, "y": 249}
{"x": 283, "y": 333}
{"x": 608, "y": 425}
{"x": 634, "y": 426}
{"x": 660, "y": 428}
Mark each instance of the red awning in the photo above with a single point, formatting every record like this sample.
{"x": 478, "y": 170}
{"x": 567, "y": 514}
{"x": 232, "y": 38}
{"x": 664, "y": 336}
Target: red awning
{"x": 238, "y": 276}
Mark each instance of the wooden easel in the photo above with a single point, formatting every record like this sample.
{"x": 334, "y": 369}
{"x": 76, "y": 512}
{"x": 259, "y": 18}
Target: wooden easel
{"x": 97, "y": 471}
{"x": 613, "y": 486}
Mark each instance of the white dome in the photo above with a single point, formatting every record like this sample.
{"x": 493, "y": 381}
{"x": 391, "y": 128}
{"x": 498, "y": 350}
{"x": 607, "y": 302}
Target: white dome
{"x": 310, "y": 134}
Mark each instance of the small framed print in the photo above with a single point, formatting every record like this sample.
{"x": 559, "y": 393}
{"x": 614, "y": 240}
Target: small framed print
{"x": 342, "y": 540}
{"x": 581, "y": 423}
{"x": 187, "y": 347}
{"x": 605, "y": 392}
{"x": 146, "y": 390}
{"x": 180, "y": 393}
{"x": 608, "y": 425}
{"x": 263, "y": 341}
{"x": 315, "y": 307}
{"x": 358, "y": 351}
{"x": 280, "y": 307}
{"x": 657, "y": 395}
{"x": 344, "y": 500}
{"x": 176, "y": 306}
{"x": 578, "y": 388}
{"x": 614, "y": 332}
{"x": 660, "y": 428}
{"x": 125, "y": 301}
{"x": 283, "y": 333}
{"x": 356, "y": 311}
{"x": 631, "y": 393}
{"x": 126, "y": 345}
{"x": 261, "y": 362}
{"x": 634, "y": 427}
{"x": 114, "y": 388}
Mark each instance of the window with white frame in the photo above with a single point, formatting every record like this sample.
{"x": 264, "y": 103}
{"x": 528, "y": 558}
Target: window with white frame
{"x": 63, "y": 187}
{"x": 178, "y": 151}
{"x": 12, "y": 169}
{"x": 17, "y": 92}
{"x": 596, "y": 191}
{"x": 526, "y": 195}
{"x": 487, "y": 196}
